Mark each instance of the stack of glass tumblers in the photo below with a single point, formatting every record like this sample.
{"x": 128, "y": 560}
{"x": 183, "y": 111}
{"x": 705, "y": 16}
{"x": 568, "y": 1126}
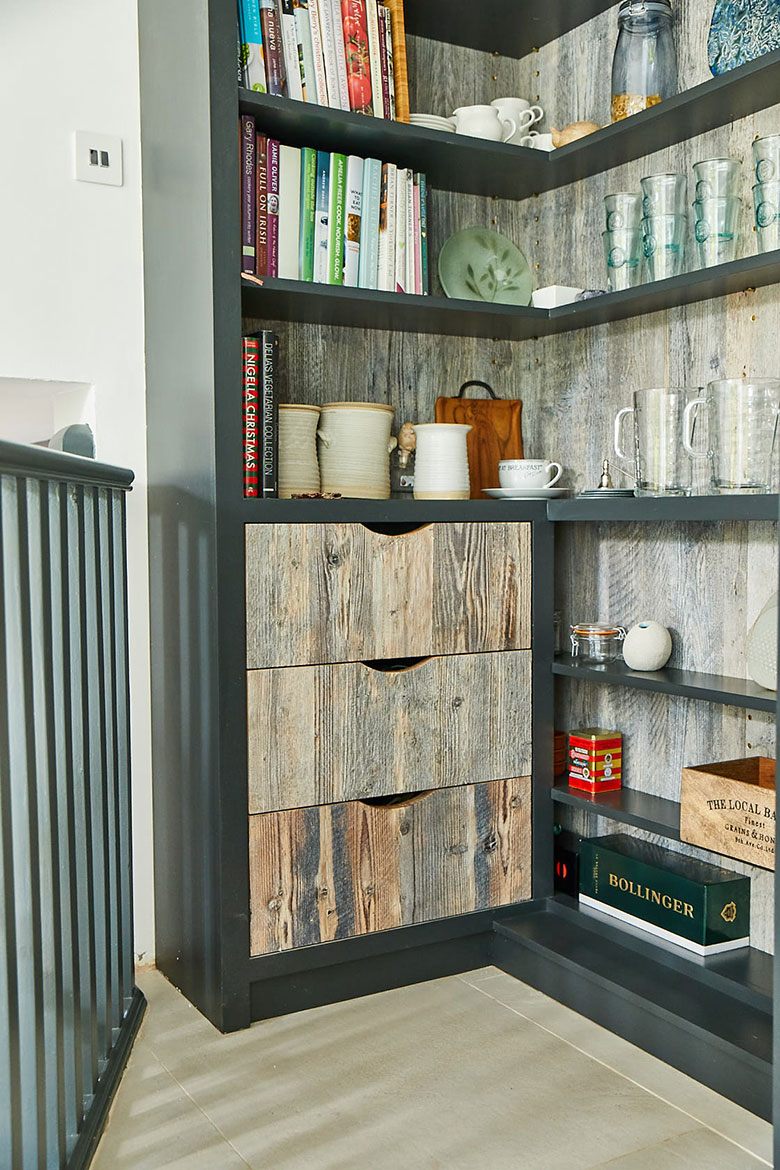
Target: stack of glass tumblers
{"x": 664, "y": 224}
{"x": 717, "y": 209}
{"x": 766, "y": 192}
{"x": 622, "y": 240}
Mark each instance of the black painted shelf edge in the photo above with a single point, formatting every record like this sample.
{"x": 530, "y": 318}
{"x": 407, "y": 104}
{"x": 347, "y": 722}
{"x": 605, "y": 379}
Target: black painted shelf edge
{"x": 653, "y": 814}
{"x": 656, "y": 509}
{"x": 396, "y": 511}
{"x": 711, "y": 688}
{"x": 508, "y": 30}
{"x": 270, "y": 298}
{"x": 457, "y": 162}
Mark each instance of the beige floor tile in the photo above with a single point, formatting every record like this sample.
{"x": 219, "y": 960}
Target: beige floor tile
{"x": 701, "y": 1103}
{"x": 481, "y": 974}
{"x": 435, "y": 1075}
{"x": 700, "y": 1149}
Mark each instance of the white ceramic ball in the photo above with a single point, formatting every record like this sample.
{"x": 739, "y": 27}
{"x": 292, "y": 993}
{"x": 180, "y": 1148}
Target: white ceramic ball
{"x": 647, "y": 646}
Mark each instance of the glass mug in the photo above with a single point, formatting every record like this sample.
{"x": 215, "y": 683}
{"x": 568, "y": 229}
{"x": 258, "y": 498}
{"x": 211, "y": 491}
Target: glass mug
{"x": 663, "y": 467}
{"x": 742, "y": 420}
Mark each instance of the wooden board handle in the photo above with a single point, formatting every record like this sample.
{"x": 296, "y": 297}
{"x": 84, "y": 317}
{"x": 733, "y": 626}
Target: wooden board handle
{"x": 397, "y": 799}
{"x": 395, "y": 665}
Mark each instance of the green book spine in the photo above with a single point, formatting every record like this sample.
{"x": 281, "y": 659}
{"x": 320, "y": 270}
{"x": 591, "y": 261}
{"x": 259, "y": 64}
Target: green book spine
{"x": 338, "y": 201}
{"x": 308, "y": 200}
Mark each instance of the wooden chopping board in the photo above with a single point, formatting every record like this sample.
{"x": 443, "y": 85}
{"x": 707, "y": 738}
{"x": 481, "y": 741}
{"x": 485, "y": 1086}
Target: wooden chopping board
{"x": 495, "y": 432}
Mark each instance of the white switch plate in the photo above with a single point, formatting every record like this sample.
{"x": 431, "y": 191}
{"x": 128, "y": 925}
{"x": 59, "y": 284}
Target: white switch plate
{"x": 98, "y": 158}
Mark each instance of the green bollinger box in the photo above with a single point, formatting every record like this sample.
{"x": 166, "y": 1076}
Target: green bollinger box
{"x": 698, "y": 906}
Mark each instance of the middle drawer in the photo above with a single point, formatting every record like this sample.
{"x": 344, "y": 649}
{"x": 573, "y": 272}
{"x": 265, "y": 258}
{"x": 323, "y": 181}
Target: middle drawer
{"x": 321, "y": 734}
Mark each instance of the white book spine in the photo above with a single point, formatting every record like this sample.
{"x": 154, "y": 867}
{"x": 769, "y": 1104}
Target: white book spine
{"x": 400, "y": 230}
{"x": 329, "y": 51}
{"x": 410, "y": 232}
{"x": 374, "y": 58}
{"x": 289, "y": 211}
{"x": 292, "y": 64}
{"x": 341, "y": 56}
{"x": 353, "y": 220}
{"x": 386, "y": 260}
{"x": 320, "y": 79}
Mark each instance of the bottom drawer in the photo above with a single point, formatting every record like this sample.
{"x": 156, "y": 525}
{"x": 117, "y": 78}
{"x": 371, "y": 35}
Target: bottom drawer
{"x": 318, "y": 874}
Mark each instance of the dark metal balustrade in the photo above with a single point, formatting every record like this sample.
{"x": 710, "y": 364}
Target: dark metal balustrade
{"x": 69, "y": 1007}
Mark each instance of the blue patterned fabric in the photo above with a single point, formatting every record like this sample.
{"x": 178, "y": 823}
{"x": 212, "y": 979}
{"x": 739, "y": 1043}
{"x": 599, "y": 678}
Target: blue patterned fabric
{"x": 742, "y": 30}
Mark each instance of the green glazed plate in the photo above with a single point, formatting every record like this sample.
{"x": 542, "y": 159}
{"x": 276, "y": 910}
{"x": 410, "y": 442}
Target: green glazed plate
{"x": 478, "y": 264}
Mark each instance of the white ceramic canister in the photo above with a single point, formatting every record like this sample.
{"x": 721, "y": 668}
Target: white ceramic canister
{"x": 441, "y": 468}
{"x": 354, "y": 449}
{"x": 299, "y": 470}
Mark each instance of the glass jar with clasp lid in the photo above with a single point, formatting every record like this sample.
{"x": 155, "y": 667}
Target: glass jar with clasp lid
{"x": 595, "y": 643}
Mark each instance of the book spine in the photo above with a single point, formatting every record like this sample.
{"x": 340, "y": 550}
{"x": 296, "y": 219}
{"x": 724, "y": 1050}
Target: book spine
{"x": 409, "y": 188}
{"x": 355, "y": 28}
{"x": 321, "y": 233}
{"x": 251, "y": 363}
{"x": 270, "y": 406}
{"x": 369, "y": 224}
{"x": 289, "y": 211}
{"x": 386, "y": 264}
{"x": 353, "y": 220}
{"x": 375, "y": 60}
{"x": 252, "y": 51}
{"x": 382, "y": 15}
{"x": 292, "y": 63}
{"x": 272, "y": 45}
{"x": 337, "y": 207}
{"x": 248, "y": 193}
{"x": 329, "y": 51}
{"x": 240, "y": 73}
{"x": 417, "y": 240}
{"x": 273, "y": 207}
{"x": 388, "y": 26}
{"x": 303, "y": 34}
{"x": 261, "y": 198}
{"x": 341, "y": 58}
{"x": 399, "y": 275}
{"x": 320, "y": 78}
{"x": 426, "y": 282}
{"x": 308, "y": 203}
{"x": 396, "y": 10}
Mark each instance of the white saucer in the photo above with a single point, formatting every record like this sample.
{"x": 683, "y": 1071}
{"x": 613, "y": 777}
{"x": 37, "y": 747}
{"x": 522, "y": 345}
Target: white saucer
{"x": 552, "y": 493}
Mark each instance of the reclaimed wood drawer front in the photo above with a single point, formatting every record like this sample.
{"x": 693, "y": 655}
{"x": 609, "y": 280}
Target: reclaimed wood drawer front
{"x": 318, "y": 874}
{"x": 340, "y": 593}
{"x": 320, "y": 734}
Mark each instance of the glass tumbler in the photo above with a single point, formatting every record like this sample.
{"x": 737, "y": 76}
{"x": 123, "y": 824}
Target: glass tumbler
{"x": 742, "y": 420}
{"x": 716, "y": 227}
{"x": 622, "y": 252}
{"x": 664, "y": 195}
{"x": 663, "y": 245}
{"x": 624, "y": 210}
{"x": 662, "y": 464}
{"x": 766, "y": 158}
{"x": 766, "y": 204}
{"x": 717, "y": 178}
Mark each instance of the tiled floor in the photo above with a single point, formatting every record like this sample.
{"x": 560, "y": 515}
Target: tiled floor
{"x": 474, "y": 1072}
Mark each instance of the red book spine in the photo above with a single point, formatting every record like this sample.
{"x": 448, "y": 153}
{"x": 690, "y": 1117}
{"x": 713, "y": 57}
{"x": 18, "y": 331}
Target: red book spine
{"x": 273, "y": 207}
{"x": 261, "y": 199}
{"x": 251, "y": 355}
{"x": 355, "y": 26}
{"x": 271, "y": 27}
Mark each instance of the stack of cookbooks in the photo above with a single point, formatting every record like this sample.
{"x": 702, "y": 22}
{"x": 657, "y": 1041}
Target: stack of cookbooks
{"x": 331, "y": 218}
{"x": 346, "y": 54}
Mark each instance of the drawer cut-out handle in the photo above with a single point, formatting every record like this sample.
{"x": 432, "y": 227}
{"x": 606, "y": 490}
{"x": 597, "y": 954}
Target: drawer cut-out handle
{"x": 397, "y": 799}
{"x": 395, "y": 665}
{"x": 396, "y": 529}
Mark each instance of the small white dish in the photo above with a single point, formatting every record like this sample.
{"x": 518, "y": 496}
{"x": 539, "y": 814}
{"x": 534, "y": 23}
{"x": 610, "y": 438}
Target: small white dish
{"x": 500, "y": 493}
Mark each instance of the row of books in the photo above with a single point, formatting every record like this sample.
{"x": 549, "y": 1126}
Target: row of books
{"x": 261, "y": 414}
{"x": 331, "y": 218}
{"x": 346, "y": 54}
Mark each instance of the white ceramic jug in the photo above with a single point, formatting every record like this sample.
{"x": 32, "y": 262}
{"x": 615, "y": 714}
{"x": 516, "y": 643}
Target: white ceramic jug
{"x": 299, "y": 470}
{"x": 354, "y": 449}
{"x": 484, "y": 122}
{"x": 441, "y": 468}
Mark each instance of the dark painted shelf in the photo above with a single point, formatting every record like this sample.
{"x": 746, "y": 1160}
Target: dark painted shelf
{"x": 456, "y": 162}
{"x": 654, "y": 814}
{"x": 691, "y": 684}
{"x": 509, "y": 29}
{"x": 408, "y": 511}
{"x": 671, "y": 509}
{"x": 322, "y": 304}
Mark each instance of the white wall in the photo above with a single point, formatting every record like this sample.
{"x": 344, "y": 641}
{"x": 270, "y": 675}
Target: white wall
{"x": 71, "y": 290}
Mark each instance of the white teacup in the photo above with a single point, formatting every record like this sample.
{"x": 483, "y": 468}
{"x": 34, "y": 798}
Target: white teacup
{"x": 521, "y": 112}
{"x": 484, "y": 122}
{"x": 537, "y": 141}
{"x": 528, "y": 473}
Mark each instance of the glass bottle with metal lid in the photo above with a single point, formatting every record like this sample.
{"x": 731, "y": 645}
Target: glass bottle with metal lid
{"x": 644, "y": 68}
{"x": 596, "y": 643}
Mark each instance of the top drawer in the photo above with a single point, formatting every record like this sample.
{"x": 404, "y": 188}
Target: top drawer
{"x": 320, "y": 593}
